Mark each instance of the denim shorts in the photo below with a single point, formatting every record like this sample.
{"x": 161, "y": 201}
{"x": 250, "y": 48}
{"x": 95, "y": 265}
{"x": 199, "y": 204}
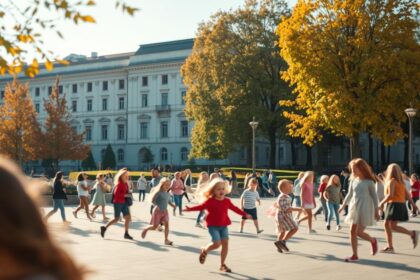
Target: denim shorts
{"x": 218, "y": 233}
{"x": 121, "y": 208}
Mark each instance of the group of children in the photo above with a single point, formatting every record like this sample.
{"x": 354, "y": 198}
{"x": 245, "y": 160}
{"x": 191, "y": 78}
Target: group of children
{"x": 211, "y": 191}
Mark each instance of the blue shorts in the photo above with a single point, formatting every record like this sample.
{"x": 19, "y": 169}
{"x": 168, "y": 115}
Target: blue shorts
{"x": 218, "y": 233}
{"x": 121, "y": 208}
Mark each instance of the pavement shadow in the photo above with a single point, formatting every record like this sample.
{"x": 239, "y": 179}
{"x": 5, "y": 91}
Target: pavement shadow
{"x": 80, "y": 232}
{"x": 239, "y": 276}
{"x": 184, "y": 234}
{"x": 152, "y": 246}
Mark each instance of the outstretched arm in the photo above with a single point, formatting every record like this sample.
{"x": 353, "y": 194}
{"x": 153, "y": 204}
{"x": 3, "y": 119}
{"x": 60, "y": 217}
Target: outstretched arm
{"x": 236, "y": 209}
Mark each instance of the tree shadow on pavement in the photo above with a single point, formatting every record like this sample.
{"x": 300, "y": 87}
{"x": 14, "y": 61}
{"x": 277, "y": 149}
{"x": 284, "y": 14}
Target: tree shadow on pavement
{"x": 238, "y": 276}
{"x": 185, "y": 234}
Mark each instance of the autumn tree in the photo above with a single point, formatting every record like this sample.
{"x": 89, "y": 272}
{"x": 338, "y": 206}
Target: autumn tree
{"x": 233, "y": 75}
{"x": 23, "y": 25}
{"x": 109, "y": 158}
{"x": 19, "y": 129}
{"x": 60, "y": 140}
{"x": 354, "y": 67}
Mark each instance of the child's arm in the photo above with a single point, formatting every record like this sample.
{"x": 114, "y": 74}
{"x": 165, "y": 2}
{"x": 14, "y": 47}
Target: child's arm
{"x": 173, "y": 205}
{"x": 237, "y": 210}
{"x": 199, "y": 207}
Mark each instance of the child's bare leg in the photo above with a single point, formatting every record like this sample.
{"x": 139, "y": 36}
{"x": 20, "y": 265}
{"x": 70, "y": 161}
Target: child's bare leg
{"x": 212, "y": 246}
{"x": 289, "y": 234}
{"x": 223, "y": 254}
{"x": 94, "y": 209}
{"x": 103, "y": 212}
{"x": 166, "y": 224}
{"x": 309, "y": 215}
{"x": 256, "y": 225}
{"x": 242, "y": 224}
{"x": 281, "y": 235}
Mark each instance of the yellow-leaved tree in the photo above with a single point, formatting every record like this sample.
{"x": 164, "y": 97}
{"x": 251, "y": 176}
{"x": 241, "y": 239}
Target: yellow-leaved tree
{"x": 19, "y": 129}
{"x": 354, "y": 67}
{"x": 24, "y": 23}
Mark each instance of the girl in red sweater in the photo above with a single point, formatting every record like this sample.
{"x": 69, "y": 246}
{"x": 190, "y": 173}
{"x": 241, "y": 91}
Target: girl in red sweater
{"x": 217, "y": 206}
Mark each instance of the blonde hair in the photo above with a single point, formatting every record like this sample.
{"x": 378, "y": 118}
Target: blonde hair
{"x": 118, "y": 175}
{"x": 394, "y": 172}
{"x": 214, "y": 175}
{"x": 209, "y": 189}
{"x": 300, "y": 175}
{"x": 201, "y": 178}
{"x": 282, "y": 184}
{"x": 306, "y": 175}
{"x": 158, "y": 188}
{"x": 364, "y": 169}
{"x": 250, "y": 180}
{"x": 331, "y": 181}
{"x": 99, "y": 175}
{"x": 323, "y": 177}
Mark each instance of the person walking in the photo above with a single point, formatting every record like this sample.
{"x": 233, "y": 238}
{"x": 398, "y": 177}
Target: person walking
{"x": 296, "y": 193}
{"x": 98, "y": 199}
{"x": 154, "y": 182}
{"x": 141, "y": 187}
{"x": 396, "y": 195}
{"x": 363, "y": 206}
{"x": 415, "y": 192}
{"x": 120, "y": 195}
{"x": 333, "y": 196}
{"x": 83, "y": 193}
{"x": 177, "y": 189}
{"x": 323, "y": 208}
{"x": 308, "y": 199}
{"x": 59, "y": 195}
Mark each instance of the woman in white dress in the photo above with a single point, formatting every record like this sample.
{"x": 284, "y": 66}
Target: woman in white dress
{"x": 363, "y": 205}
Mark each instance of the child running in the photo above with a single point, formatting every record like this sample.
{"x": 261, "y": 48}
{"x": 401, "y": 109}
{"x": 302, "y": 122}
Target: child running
{"x": 248, "y": 201}
{"x": 217, "y": 206}
{"x": 396, "y": 209}
{"x": 308, "y": 199}
{"x": 333, "y": 196}
{"x": 160, "y": 197}
{"x": 286, "y": 225}
{"x": 99, "y": 196}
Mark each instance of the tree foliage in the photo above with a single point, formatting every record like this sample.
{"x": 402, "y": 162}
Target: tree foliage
{"x": 354, "y": 66}
{"x": 23, "y": 25}
{"x": 19, "y": 129}
{"x": 233, "y": 75}
{"x": 89, "y": 162}
{"x": 60, "y": 140}
{"x": 109, "y": 158}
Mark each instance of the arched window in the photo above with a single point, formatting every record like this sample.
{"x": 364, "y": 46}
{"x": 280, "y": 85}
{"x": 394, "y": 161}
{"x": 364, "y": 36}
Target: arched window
{"x": 163, "y": 154}
{"x": 184, "y": 154}
{"x": 120, "y": 154}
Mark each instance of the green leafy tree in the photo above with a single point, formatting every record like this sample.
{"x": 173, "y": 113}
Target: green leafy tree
{"x": 89, "y": 162}
{"x": 23, "y": 25}
{"x": 148, "y": 157}
{"x": 354, "y": 67}
{"x": 109, "y": 158}
{"x": 233, "y": 75}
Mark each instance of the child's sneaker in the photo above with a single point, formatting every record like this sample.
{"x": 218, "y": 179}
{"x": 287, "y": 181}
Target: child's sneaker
{"x": 103, "y": 229}
{"x": 388, "y": 250}
{"x": 328, "y": 227}
{"x": 127, "y": 236}
{"x": 312, "y": 231}
{"x": 351, "y": 259}
{"x": 261, "y": 230}
{"x": 278, "y": 246}
{"x": 338, "y": 228}
{"x": 198, "y": 225}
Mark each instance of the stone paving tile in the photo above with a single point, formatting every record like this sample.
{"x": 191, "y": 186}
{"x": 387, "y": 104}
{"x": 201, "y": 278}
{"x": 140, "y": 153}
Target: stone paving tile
{"x": 317, "y": 256}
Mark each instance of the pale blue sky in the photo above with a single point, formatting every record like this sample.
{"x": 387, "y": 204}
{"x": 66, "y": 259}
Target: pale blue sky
{"x": 157, "y": 21}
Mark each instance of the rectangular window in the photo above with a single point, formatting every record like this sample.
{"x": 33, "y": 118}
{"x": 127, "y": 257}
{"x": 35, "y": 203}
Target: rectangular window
{"x": 121, "y": 84}
{"x": 74, "y": 88}
{"x": 164, "y": 129}
{"x": 74, "y": 106}
{"x": 144, "y": 100}
{"x": 88, "y": 133}
{"x": 183, "y": 94}
{"x": 89, "y": 87}
{"x": 89, "y": 105}
{"x": 121, "y": 103}
{"x": 144, "y": 130}
{"x": 164, "y": 99}
{"x": 104, "y": 104}
{"x": 164, "y": 79}
{"x": 120, "y": 155}
{"x": 60, "y": 89}
{"x": 104, "y": 132}
{"x": 121, "y": 132}
{"x": 37, "y": 91}
{"x": 144, "y": 81}
{"x": 37, "y": 107}
{"x": 2, "y": 94}
{"x": 105, "y": 85}
{"x": 184, "y": 128}
{"x": 49, "y": 90}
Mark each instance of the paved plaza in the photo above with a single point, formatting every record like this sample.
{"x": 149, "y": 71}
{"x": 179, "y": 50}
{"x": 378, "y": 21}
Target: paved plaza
{"x": 317, "y": 256}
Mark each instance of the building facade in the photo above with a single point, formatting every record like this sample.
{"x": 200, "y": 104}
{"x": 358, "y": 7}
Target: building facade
{"x": 134, "y": 101}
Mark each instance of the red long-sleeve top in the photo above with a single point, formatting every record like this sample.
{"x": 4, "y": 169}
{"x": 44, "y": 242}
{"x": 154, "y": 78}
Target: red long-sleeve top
{"x": 217, "y": 211}
{"x": 120, "y": 191}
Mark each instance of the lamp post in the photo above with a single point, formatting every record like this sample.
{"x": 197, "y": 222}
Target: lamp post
{"x": 254, "y": 126}
{"x": 411, "y": 113}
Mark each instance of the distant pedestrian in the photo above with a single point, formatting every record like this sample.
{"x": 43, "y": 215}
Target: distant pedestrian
{"x": 177, "y": 189}
{"x": 297, "y": 192}
{"x": 187, "y": 179}
{"x": 120, "y": 194}
{"x": 415, "y": 192}
{"x": 59, "y": 195}
{"x": 141, "y": 186}
{"x": 345, "y": 182}
{"x": 248, "y": 202}
{"x": 154, "y": 182}
{"x": 308, "y": 199}
{"x": 160, "y": 197}
{"x": 83, "y": 194}
{"x": 396, "y": 195}
{"x": 233, "y": 181}
{"x": 202, "y": 182}
{"x": 363, "y": 205}
{"x": 333, "y": 196}
{"x": 98, "y": 199}
{"x": 323, "y": 182}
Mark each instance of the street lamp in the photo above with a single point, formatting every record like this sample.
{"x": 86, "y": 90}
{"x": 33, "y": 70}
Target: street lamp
{"x": 411, "y": 113}
{"x": 254, "y": 126}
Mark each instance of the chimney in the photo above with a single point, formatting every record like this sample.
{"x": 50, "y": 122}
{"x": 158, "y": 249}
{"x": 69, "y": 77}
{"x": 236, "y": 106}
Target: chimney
{"x": 94, "y": 55}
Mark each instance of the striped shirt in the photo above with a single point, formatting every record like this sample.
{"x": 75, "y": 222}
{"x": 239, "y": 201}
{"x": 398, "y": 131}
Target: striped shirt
{"x": 250, "y": 198}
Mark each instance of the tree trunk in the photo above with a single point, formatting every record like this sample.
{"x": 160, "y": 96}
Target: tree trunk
{"x": 293, "y": 152}
{"x": 272, "y": 139}
{"x": 370, "y": 148}
{"x": 309, "y": 164}
{"x": 355, "y": 146}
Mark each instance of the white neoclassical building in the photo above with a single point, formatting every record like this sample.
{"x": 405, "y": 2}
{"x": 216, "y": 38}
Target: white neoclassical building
{"x": 134, "y": 101}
